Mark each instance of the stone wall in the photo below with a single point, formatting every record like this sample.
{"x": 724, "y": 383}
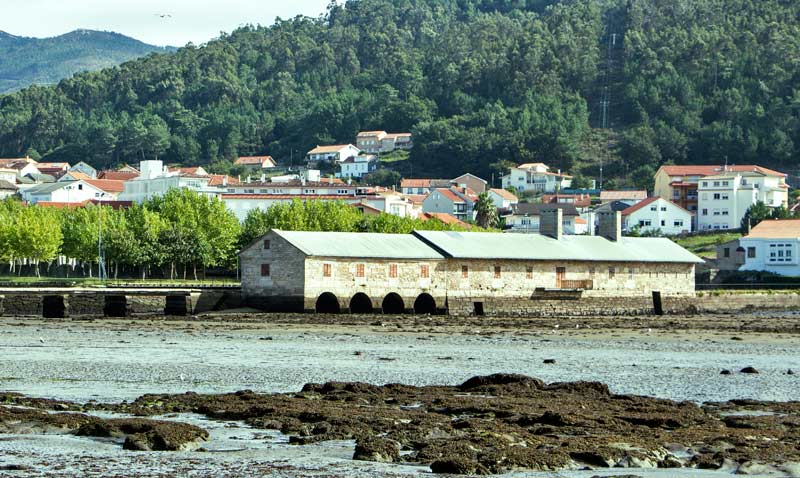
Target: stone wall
{"x": 597, "y": 306}
{"x": 22, "y": 305}
{"x": 376, "y": 283}
{"x": 284, "y": 286}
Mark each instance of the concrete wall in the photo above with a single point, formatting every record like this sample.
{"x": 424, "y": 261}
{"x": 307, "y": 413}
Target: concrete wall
{"x": 376, "y": 282}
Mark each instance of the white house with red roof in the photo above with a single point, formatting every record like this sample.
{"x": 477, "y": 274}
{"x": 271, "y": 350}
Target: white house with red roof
{"x": 256, "y": 163}
{"x": 333, "y": 153}
{"x": 536, "y": 177}
{"x": 155, "y": 180}
{"x": 502, "y": 199}
{"x": 657, "y": 214}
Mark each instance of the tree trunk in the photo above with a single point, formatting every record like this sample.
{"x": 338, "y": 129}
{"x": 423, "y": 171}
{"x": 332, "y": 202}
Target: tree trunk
{"x": 194, "y": 266}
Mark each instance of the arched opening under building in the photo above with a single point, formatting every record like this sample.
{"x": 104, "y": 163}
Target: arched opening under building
{"x": 54, "y": 307}
{"x": 361, "y": 304}
{"x": 393, "y": 304}
{"x": 115, "y": 306}
{"x": 327, "y": 303}
{"x": 425, "y": 304}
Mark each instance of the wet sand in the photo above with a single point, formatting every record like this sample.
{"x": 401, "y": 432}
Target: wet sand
{"x": 678, "y": 358}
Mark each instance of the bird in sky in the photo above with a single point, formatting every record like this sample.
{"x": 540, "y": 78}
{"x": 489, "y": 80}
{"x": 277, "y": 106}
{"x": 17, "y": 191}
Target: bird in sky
{"x": 163, "y": 15}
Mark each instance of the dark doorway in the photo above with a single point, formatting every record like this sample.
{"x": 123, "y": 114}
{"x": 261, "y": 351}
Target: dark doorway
{"x": 53, "y": 307}
{"x": 175, "y": 305}
{"x": 327, "y": 303}
{"x": 425, "y": 304}
{"x": 361, "y": 304}
{"x": 477, "y": 308}
{"x": 115, "y": 306}
{"x": 393, "y": 304}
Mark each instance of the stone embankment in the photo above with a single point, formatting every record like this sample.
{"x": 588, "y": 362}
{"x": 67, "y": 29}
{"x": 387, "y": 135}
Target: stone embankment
{"x": 488, "y": 424}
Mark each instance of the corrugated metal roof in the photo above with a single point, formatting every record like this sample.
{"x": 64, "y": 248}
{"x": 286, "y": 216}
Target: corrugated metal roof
{"x": 487, "y": 245}
{"x": 366, "y": 245}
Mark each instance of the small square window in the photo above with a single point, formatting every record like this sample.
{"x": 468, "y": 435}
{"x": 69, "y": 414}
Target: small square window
{"x": 464, "y": 272}
{"x": 326, "y": 270}
{"x": 751, "y": 252}
{"x": 265, "y": 272}
{"x": 611, "y": 272}
{"x": 393, "y": 271}
{"x": 726, "y": 252}
{"x": 359, "y": 270}
{"x": 266, "y": 243}
{"x": 529, "y": 272}
{"x": 424, "y": 271}
{"x": 497, "y": 272}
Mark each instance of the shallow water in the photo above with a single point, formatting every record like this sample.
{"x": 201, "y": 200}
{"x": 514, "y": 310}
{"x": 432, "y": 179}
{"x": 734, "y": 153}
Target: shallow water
{"x": 81, "y": 362}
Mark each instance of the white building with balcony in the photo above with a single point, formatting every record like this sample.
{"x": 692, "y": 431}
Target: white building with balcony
{"x": 724, "y": 199}
{"x": 536, "y": 177}
{"x": 357, "y": 166}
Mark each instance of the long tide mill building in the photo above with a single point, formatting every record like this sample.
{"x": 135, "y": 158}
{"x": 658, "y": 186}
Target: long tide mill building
{"x": 461, "y": 272}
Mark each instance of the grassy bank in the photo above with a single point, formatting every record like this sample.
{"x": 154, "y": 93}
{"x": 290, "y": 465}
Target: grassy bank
{"x": 704, "y": 245}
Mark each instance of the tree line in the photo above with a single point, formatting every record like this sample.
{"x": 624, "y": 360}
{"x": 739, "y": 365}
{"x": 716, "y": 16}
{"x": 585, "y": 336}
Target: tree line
{"x": 170, "y": 236}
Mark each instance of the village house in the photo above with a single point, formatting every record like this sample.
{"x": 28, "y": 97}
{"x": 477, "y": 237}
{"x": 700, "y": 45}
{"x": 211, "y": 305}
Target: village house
{"x": 771, "y": 246}
{"x": 423, "y": 186}
{"x": 526, "y": 217}
{"x": 118, "y": 175}
{"x": 256, "y": 164}
{"x": 502, "y": 199}
{"x": 458, "y": 202}
{"x": 582, "y": 202}
{"x": 357, "y": 167}
{"x": 8, "y": 174}
{"x": 383, "y": 142}
{"x": 7, "y": 189}
{"x": 474, "y": 183}
{"x": 21, "y": 166}
{"x": 332, "y": 153}
{"x": 725, "y": 198}
{"x": 63, "y": 192}
{"x": 536, "y": 177}
{"x": 657, "y": 215}
{"x": 461, "y": 272}
{"x": 631, "y": 197}
{"x": 155, "y": 180}
{"x": 679, "y": 184}
{"x": 84, "y": 168}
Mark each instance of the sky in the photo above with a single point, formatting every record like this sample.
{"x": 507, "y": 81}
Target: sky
{"x": 196, "y": 21}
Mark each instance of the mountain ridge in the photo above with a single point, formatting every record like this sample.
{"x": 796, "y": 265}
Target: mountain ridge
{"x": 26, "y": 61}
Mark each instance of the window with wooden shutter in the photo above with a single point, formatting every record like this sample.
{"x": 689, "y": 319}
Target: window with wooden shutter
{"x": 265, "y": 270}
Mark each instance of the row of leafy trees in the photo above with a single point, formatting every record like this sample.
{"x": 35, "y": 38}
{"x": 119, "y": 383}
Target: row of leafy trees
{"x": 181, "y": 229}
{"x": 171, "y": 235}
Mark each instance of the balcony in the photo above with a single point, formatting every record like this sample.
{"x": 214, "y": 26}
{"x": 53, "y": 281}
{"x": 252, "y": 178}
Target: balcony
{"x": 575, "y": 284}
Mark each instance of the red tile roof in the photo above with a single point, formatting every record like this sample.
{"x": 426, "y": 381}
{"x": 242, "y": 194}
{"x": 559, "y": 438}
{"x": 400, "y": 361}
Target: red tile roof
{"x": 711, "y": 170}
{"x": 339, "y": 197}
{"x": 415, "y": 183}
{"x": 449, "y": 195}
{"x": 117, "y": 175}
{"x": 776, "y": 229}
{"x": 647, "y": 202}
{"x": 254, "y": 160}
{"x": 606, "y": 196}
{"x": 219, "y": 179}
{"x": 62, "y": 205}
{"x": 579, "y": 200}
{"x": 107, "y": 185}
{"x": 333, "y": 148}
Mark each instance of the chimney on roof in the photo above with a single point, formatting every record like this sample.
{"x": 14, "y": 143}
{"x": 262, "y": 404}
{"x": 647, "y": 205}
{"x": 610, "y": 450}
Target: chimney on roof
{"x": 610, "y": 225}
{"x": 551, "y": 222}
{"x": 248, "y": 179}
{"x": 263, "y": 177}
{"x": 225, "y": 180}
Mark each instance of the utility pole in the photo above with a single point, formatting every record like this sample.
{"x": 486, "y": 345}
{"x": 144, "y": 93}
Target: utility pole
{"x": 101, "y": 260}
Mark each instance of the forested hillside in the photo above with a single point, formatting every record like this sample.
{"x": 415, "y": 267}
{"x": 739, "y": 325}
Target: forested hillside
{"x": 26, "y": 61}
{"x": 479, "y": 82}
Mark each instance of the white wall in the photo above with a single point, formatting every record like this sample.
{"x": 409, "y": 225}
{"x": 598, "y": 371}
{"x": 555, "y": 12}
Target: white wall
{"x": 664, "y": 218}
{"x": 772, "y": 255}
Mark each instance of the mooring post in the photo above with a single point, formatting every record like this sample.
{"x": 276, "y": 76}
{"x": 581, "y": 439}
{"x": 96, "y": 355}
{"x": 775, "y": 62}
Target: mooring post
{"x": 658, "y": 308}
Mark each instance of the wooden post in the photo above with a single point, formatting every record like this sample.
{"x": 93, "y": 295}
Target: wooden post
{"x": 658, "y": 309}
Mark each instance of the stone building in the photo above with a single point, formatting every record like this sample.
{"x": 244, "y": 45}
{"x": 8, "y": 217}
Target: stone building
{"x": 462, "y": 272}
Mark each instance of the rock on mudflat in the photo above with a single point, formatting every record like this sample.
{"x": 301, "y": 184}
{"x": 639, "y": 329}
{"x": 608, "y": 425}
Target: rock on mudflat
{"x": 748, "y": 370}
{"x": 725, "y": 372}
{"x": 376, "y": 449}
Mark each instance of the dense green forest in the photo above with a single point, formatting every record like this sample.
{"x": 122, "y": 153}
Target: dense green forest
{"x": 480, "y": 83}
{"x": 26, "y": 61}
